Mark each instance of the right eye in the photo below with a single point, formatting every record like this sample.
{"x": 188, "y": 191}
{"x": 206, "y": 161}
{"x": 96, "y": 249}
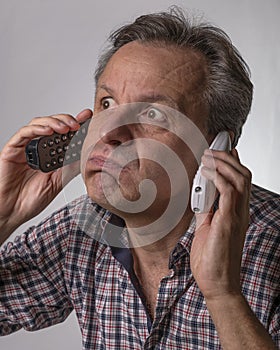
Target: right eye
{"x": 107, "y": 102}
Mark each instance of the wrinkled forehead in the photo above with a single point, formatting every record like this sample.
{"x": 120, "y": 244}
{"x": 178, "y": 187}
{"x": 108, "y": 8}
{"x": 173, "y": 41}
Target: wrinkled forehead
{"x": 146, "y": 64}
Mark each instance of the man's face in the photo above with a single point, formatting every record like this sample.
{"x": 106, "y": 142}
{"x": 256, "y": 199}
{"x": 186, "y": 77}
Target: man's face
{"x": 133, "y": 133}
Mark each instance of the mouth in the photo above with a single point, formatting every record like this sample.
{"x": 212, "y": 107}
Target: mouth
{"x": 98, "y": 163}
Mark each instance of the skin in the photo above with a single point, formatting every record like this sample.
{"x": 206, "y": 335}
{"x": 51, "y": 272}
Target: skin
{"x": 134, "y": 74}
{"x": 32, "y": 191}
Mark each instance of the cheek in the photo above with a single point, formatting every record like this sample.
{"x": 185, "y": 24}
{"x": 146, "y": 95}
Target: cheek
{"x": 149, "y": 169}
{"x": 175, "y": 168}
{"x": 158, "y": 174}
{"x": 186, "y": 156}
{"x": 190, "y": 164}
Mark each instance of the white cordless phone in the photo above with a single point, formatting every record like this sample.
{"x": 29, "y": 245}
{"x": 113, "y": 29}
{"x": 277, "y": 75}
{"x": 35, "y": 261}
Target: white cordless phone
{"x": 203, "y": 190}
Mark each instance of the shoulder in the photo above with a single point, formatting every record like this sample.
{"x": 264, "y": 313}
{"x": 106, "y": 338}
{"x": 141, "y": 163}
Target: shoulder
{"x": 81, "y": 214}
{"x": 265, "y": 208}
{"x": 261, "y": 253}
{"x": 77, "y": 218}
{"x": 263, "y": 234}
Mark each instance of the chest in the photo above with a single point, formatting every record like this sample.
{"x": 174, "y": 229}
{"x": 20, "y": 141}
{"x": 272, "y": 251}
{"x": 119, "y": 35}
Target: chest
{"x": 122, "y": 308}
{"x": 112, "y": 315}
{"x": 150, "y": 283}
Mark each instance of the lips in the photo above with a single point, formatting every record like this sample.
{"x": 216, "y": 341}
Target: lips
{"x": 99, "y": 163}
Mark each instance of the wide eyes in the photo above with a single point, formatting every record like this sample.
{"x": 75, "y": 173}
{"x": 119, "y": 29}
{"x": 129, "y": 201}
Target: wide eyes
{"x": 152, "y": 114}
{"x": 155, "y": 114}
{"x": 108, "y": 102}
{"x": 147, "y": 113}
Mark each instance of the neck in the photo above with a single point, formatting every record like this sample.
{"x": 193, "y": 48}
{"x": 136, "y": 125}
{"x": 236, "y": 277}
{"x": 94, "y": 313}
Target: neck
{"x": 158, "y": 251}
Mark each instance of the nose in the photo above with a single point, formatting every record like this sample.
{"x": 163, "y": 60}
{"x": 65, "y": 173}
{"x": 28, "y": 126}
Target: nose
{"x": 116, "y": 136}
{"x": 117, "y": 130}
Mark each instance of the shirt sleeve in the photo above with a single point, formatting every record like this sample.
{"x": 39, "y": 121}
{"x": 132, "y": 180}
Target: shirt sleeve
{"x": 33, "y": 292}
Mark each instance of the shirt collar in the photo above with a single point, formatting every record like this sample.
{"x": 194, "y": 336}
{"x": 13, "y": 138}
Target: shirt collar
{"x": 110, "y": 229}
{"x": 183, "y": 246}
{"x": 116, "y": 236}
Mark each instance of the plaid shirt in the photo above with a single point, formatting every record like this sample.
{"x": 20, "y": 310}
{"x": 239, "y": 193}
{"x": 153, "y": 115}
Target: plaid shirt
{"x": 64, "y": 264}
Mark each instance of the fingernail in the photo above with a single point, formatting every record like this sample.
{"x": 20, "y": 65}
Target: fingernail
{"x": 207, "y": 151}
{"x": 74, "y": 122}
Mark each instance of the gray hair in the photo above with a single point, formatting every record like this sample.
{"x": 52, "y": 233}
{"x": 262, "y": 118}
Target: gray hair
{"x": 229, "y": 90}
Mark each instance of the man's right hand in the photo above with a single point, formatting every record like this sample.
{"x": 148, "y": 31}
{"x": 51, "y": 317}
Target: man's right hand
{"x": 25, "y": 192}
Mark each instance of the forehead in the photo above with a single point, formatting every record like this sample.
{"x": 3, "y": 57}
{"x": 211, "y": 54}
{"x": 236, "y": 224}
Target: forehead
{"x": 157, "y": 65}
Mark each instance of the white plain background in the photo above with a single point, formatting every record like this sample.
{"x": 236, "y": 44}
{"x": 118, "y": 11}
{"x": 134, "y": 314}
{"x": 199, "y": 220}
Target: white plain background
{"x": 48, "y": 55}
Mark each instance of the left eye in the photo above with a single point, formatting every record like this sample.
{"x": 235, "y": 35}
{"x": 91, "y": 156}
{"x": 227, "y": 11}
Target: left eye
{"x": 154, "y": 114}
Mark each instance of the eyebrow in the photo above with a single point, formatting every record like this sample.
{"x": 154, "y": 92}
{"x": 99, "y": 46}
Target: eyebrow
{"x": 146, "y": 97}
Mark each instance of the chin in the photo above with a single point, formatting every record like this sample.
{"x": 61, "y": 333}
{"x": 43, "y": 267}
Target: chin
{"x": 109, "y": 194}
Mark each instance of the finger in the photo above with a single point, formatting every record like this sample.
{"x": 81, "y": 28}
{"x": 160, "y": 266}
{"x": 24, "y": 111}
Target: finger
{"x": 235, "y": 173}
{"x": 229, "y": 193}
{"x": 84, "y": 115}
{"x": 231, "y": 158}
{"x": 235, "y": 154}
{"x": 60, "y": 123}
{"x": 26, "y": 133}
{"x": 226, "y": 190}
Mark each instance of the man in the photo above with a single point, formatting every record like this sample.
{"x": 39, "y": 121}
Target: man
{"x": 141, "y": 279}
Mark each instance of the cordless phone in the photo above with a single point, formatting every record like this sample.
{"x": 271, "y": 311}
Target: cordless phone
{"x": 203, "y": 190}
{"x": 49, "y": 153}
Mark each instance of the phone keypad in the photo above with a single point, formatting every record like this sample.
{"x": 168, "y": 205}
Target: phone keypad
{"x": 51, "y": 152}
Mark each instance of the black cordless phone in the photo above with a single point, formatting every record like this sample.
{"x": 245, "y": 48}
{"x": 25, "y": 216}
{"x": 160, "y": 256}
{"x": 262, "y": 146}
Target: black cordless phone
{"x": 49, "y": 153}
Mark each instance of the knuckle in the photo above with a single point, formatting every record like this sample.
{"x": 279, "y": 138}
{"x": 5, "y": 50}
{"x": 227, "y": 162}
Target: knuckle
{"x": 243, "y": 185}
{"x": 35, "y": 120}
{"x": 249, "y": 175}
{"x": 242, "y": 181}
{"x": 229, "y": 190}
{"x": 246, "y": 179}
{"x": 61, "y": 116}
{"x": 23, "y": 129}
